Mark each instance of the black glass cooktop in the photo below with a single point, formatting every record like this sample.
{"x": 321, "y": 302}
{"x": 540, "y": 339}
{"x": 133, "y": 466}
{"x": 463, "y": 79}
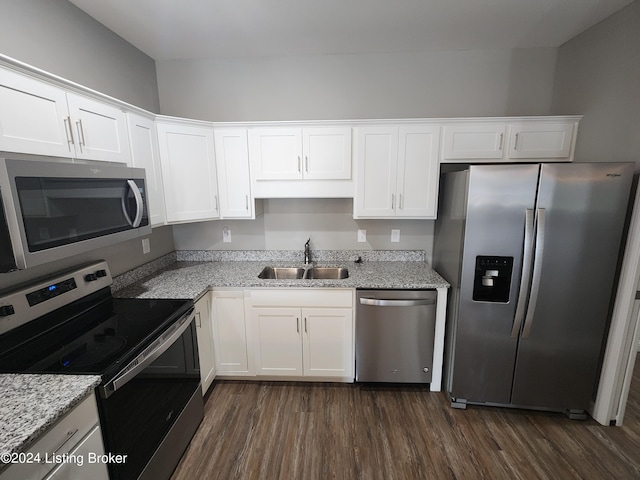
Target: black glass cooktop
{"x": 97, "y": 335}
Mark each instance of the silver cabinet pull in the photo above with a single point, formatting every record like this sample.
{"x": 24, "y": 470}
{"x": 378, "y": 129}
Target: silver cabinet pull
{"x": 501, "y": 139}
{"x": 81, "y": 140}
{"x": 525, "y": 278}
{"x": 198, "y": 320}
{"x": 400, "y": 202}
{"x": 306, "y": 163}
{"x": 70, "y": 434}
{"x": 515, "y": 145}
{"x": 69, "y": 131}
{"x": 216, "y": 198}
{"x": 393, "y": 201}
{"x": 299, "y": 164}
{"x": 305, "y": 324}
{"x": 297, "y": 324}
{"x": 246, "y": 202}
{"x": 537, "y": 273}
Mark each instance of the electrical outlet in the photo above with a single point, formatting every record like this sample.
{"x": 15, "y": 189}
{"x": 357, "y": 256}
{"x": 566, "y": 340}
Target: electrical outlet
{"x": 395, "y": 236}
{"x": 146, "y": 246}
{"x": 226, "y": 235}
{"x": 362, "y": 236}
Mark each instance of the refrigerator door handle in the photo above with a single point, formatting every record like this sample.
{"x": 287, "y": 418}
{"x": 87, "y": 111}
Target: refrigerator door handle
{"x": 537, "y": 273}
{"x": 525, "y": 278}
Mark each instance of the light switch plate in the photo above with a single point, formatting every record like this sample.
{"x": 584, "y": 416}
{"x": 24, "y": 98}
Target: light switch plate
{"x": 146, "y": 246}
{"x": 395, "y": 236}
{"x": 362, "y": 236}
{"x": 226, "y": 235}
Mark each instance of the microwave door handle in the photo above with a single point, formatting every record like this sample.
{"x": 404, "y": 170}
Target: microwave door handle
{"x": 137, "y": 364}
{"x": 135, "y": 223}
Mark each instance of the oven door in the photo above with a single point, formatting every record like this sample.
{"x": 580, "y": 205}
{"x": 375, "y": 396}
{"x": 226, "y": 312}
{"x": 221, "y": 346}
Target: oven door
{"x": 151, "y": 409}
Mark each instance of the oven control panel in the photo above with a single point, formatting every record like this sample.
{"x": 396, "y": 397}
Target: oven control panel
{"x": 20, "y": 306}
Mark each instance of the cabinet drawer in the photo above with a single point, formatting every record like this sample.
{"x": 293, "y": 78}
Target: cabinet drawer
{"x": 304, "y": 297}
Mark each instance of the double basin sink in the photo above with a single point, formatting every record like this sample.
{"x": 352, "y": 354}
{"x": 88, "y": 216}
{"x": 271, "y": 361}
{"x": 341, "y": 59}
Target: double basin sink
{"x": 309, "y": 273}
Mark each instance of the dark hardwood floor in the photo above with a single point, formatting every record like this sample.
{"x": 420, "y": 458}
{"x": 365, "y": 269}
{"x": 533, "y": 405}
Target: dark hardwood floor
{"x": 305, "y": 431}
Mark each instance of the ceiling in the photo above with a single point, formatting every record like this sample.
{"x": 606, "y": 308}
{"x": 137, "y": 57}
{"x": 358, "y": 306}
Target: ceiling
{"x": 201, "y": 29}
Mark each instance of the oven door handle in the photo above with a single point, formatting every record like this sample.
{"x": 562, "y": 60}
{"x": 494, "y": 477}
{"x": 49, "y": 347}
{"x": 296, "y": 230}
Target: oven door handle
{"x": 151, "y": 353}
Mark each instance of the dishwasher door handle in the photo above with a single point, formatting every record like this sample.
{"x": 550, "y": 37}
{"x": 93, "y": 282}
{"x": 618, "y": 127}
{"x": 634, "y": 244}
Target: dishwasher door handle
{"x": 378, "y": 302}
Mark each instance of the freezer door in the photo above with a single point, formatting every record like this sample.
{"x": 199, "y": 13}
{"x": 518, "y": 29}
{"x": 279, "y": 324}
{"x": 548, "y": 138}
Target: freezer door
{"x": 484, "y": 352}
{"x": 583, "y": 207}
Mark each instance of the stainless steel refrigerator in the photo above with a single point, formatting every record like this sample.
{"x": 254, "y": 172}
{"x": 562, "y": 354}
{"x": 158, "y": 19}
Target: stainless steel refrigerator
{"x": 531, "y": 252}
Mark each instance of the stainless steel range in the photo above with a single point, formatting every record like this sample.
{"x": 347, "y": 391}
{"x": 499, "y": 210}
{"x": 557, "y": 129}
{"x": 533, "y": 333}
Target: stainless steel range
{"x": 145, "y": 351}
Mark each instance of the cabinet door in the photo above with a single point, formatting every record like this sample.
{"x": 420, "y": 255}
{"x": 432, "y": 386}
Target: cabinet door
{"x": 276, "y": 153}
{"x": 230, "y": 334}
{"x": 328, "y": 342}
{"x": 188, "y": 172}
{"x": 418, "y": 172}
{"x": 100, "y": 130}
{"x": 327, "y": 153}
{"x": 232, "y": 161}
{"x": 474, "y": 141}
{"x": 34, "y": 117}
{"x": 541, "y": 140}
{"x": 204, "y": 331}
{"x": 145, "y": 154}
{"x": 278, "y": 341}
{"x": 377, "y": 160}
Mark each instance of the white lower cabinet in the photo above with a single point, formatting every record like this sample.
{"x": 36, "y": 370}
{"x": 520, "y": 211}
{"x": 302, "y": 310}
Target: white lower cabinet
{"x": 306, "y": 337}
{"x": 204, "y": 329}
{"x": 65, "y": 451}
{"x": 230, "y": 334}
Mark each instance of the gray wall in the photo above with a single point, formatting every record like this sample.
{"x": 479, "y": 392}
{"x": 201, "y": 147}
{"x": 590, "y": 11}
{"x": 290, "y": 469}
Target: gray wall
{"x": 598, "y": 75}
{"x": 434, "y": 84}
{"x": 58, "y": 37}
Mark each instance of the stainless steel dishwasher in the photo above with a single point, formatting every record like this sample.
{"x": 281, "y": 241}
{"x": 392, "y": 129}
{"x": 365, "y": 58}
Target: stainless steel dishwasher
{"x": 395, "y": 332}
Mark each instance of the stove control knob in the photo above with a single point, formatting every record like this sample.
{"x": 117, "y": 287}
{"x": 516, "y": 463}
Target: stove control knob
{"x": 101, "y": 273}
{"x": 90, "y": 277}
{"x": 6, "y": 310}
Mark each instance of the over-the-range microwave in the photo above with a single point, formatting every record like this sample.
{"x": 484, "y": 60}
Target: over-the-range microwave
{"x": 51, "y": 210}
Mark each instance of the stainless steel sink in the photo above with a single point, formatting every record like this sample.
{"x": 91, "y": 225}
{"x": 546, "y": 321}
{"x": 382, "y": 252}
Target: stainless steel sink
{"x": 311, "y": 273}
{"x": 281, "y": 273}
{"x": 327, "y": 273}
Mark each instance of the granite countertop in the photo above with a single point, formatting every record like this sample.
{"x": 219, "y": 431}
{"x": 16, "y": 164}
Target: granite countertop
{"x": 30, "y": 404}
{"x": 190, "y": 279}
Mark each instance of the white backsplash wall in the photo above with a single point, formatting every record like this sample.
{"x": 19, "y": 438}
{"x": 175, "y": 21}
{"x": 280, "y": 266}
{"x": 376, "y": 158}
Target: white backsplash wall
{"x": 288, "y": 223}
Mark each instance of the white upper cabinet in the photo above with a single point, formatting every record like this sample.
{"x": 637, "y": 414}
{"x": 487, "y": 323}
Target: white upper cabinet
{"x": 314, "y": 153}
{"x": 33, "y": 117}
{"x": 545, "y": 138}
{"x": 232, "y": 161}
{"x": 397, "y": 172}
{"x": 542, "y": 140}
{"x": 188, "y": 172}
{"x": 100, "y": 130}
{"x": 42, "y": 119}
{"x": 145, "y": 154}
{"x": 480, "y": 141}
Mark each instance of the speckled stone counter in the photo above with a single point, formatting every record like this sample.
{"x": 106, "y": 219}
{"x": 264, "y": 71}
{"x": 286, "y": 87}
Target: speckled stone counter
{"x": 30, "y": 404}
{"x": 190, "y": 279}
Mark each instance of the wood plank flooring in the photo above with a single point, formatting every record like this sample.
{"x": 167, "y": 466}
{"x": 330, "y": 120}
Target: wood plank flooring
{"x": 272, "y": 430}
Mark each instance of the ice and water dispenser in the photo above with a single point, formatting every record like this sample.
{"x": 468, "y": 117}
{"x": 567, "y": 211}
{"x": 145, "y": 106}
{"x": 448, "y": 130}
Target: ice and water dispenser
{"x": 492, "y": 279}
